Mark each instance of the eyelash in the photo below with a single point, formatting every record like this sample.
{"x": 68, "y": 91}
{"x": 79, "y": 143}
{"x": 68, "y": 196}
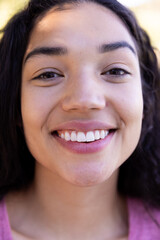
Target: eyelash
{"x": 116, "y": 72}
{"x": 48, "y": 75}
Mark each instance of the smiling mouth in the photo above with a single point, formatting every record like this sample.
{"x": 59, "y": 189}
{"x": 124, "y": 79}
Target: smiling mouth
{"x": 81, "y": 136}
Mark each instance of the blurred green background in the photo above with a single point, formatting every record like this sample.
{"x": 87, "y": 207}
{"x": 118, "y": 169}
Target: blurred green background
{"x": 148, "y": 15}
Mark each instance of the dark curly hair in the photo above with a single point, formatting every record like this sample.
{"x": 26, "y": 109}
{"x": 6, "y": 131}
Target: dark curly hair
{"x": 139, "y": 176}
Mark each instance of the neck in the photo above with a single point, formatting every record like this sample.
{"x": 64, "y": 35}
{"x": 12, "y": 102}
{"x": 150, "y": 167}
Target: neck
{"x": 72, "y": 212}
{"x": 77, "y": 208}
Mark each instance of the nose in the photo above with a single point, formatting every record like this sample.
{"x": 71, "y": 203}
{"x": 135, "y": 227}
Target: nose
{"x": 83, "y": 95}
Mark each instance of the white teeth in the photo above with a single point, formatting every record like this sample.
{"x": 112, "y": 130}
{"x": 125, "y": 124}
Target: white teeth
{"x": 106, "y": 133}
{"x": 73, "y": 136}
{"x": 90, "y": 137}
{"x": 102, "y": 134}
{"x": 97, "y": 135}
{"x": 67, "y": 136}
{"x": 83, "y": 136}
{"x": 62, "y": 135}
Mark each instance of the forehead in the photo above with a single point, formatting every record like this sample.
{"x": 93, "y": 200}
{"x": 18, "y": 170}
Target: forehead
{"x": 88, "y": 23}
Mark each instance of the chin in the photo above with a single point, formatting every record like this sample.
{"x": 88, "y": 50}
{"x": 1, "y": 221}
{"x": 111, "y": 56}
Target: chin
{"x": 86, "y": 177}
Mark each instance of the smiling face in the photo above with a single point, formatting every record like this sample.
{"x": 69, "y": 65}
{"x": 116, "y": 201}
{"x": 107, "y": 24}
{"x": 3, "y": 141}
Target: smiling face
{"x": 81, "y": 94}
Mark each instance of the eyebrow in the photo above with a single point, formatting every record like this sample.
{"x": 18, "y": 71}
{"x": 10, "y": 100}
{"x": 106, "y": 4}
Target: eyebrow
{"x": 58, "y": 51}
{"x": 114, "y": 46}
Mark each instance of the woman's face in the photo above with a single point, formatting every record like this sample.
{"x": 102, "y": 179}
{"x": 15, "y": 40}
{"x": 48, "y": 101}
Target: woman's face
{"x": 81, "y": 98}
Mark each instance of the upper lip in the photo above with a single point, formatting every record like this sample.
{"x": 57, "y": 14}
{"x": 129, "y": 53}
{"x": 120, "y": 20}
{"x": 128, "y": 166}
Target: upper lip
{"x": 76, "y": 125}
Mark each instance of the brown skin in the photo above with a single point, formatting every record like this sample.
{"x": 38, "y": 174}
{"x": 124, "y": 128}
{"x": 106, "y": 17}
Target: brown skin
{"x": 74, "y": 196}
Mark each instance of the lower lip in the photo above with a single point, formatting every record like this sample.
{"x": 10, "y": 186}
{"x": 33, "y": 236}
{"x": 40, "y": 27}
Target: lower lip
{"x": 79, "y": 147}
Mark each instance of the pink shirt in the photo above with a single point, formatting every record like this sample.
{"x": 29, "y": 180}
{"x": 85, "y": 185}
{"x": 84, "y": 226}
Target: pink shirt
{"x": 5, "y": 231}
{"x": 142, "y": 224}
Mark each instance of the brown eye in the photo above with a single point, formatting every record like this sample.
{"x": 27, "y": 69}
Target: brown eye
{"x": 116, "y": 72}
{"x": 48, "y": 75}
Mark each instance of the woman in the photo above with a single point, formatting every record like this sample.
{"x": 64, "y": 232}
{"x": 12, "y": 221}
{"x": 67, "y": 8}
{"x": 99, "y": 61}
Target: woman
{"x": 79, "y": 124}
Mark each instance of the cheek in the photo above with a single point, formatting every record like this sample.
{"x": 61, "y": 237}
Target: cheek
{"x": 36, "y": 105}
{"x": 128, "y": 103}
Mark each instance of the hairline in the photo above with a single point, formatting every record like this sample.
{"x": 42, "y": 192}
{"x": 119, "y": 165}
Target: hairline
{"x": 69, "y": 5}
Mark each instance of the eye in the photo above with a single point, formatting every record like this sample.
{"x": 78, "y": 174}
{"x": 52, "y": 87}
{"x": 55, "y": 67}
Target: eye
{"x": 116, "y": 72}
{"x": 48, "y": 75}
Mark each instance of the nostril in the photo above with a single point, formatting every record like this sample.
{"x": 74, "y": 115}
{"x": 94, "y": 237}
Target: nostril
{"x": 83, "y": 105}
{"x": 84, "y": 99}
